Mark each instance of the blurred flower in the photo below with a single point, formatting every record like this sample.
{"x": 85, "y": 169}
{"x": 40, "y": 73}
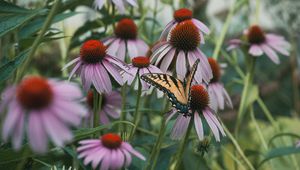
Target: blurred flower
{"x": 109, "y": 151}
{"x": 110, "y": 106}
{"x": 181, "y": 15}
{"x": 181, "y": 48}
{"x": 125, "y": 40}
{"x": 120, "y": 4}
{"x": 50, "y": 108}
{"x": 140, "y": 65}
{"x": 260, "y": 42}
{"x": 298, "y": 144}
{"x": 217, "y": 92}
{"x": 93, "y": 64}
{"x": 199, "y": 103}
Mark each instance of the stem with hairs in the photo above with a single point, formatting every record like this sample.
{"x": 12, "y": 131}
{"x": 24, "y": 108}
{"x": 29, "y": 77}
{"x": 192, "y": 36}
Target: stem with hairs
{"x": 137, "y": 114}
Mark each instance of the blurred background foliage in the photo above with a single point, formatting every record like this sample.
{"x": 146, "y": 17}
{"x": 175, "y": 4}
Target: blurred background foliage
{"x": 76, "y": 21}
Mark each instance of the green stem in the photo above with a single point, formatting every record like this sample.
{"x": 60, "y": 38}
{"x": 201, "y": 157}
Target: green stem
{"x": 122, "y": 127}
{"x": 234, "y": 158}
{"x": 37, "y": 41}
{"x": 267, "y": 112}
{"x": 154, "y": 19}
{"x": 157, "y": 146}
{"x": 137, "y": 114}
{"x": 248, "y": 82}
{"x": 22, "y": 162}
{"x": 238, "y": 148}
{"x": 183, "y": 145}
{"x": 257, "y": 3}
{"x": 97, "y": 101}
{"x": 223, "y": 32}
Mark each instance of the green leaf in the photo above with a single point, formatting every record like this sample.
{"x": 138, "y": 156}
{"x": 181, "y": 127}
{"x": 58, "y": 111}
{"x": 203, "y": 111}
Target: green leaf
{"x": 282, "y": 135}
{"x": 6, "y": 8}
{"x": 12, "y": 17}
{"x": 278, "y": 152}
{"x": 37, "y": 23}
{"x": 73, "y": 154}
{"x": 7, "y": 69}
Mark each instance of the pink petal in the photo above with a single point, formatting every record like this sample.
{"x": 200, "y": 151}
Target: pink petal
{"x": 71, "y": 63}
{"x": 211, "y": 124}
{"x": 121, "y": 53}
{"x": 181, "y": 65}
{"x": 113, "y": 72}
{"x": 255, "y": 50}
{"x": 36, "y": 133}
{"x": 201, "y": 26}
{"x": 132, "y": 49}
{"x": 101, "y": 80}
{"x": 167, "y": 61}
{"x": 98, "y": 157}
{"x": 127, "y": 157}
{"x": 166, "y": 30}
{"x": 129, "y": 148}
{"x": 103, "y": 118}
{"x": 180, "y": 127}
{"x": 198, "y": 126}
{"x": 56, "y": 130}
{"x": 270, "y": 53}
{"x": 12, "y": 117}
{"x": 105, "y": 164}
{"x": 163, "y": 54}
{"x": 17, "y": 136}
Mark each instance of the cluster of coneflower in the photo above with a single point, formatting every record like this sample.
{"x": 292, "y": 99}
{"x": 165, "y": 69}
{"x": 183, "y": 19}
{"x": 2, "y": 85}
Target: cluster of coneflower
{"x": 46, "y": 108}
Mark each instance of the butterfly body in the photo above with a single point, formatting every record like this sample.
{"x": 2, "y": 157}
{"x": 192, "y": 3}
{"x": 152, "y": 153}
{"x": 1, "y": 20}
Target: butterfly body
{"x": 176, "y": 90}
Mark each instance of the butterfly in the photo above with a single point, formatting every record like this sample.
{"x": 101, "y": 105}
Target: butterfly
{"x": 177, "y": 91}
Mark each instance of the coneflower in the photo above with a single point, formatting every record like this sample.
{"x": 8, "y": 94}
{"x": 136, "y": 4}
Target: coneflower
{"x": 125, "y": 41}
{"x": 45, "y": 109}
{"x": 93, "y": 66}
{"x": 181, "y": 49}
{"x": 260, "y": 42}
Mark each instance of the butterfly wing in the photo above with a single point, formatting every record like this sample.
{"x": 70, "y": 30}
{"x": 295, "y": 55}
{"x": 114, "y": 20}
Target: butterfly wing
{"x": 171, "y": 86}
{"x": 190, "y": 78}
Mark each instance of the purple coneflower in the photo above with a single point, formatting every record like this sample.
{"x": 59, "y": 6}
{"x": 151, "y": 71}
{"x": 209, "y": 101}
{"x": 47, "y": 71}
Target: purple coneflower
{"x": 140, "y": 65}
{"x": 217, "y": 92}
{"x": 260, "y": 42}
{"x": 111, "y": 104}
{"x": 181, "y": 15}
{"x": 181, "y": 48}
{"x": 125, "y": 40}
{"x": 120, "y": 4}
{"x": 45, "y": 108}
{"x": 199, "y": 104}
{"x": 93, "y": 66}
{"x": 108, "y": 152}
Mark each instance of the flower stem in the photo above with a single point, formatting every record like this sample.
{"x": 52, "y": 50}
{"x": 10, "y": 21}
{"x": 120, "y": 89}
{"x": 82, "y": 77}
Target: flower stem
{"x": 157, "y": 146}
{"x": 97, "y": 102}
{"x": 248, "y": 82}
{"x": 37, "y": 41}
{"x": 122, "y": 127}
{"x": 183, "y": 145}
{"x": 238, "y": 148}
{"x": 137, "y": 114}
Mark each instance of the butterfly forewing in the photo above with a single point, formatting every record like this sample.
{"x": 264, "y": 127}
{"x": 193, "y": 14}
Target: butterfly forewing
{"x": 190, "y": 78}
{"x": 169, "y": 85}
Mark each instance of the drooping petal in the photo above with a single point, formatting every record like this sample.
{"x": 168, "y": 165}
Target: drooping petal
{"x": 201, "y": 26}
{"x": 198, "y": 126}
{"x": 167, "y": 61}
{"x": 255, "y": 50}
{"x": 270, "y": 53}
{"x": 103, "y": 118}
{"x": 180, "y": 127}
{"x": 11, "y": 120}
{"x": 18, "y": 134}
{"x": 71, "y": 63}
{"x": 121, "y": 53}
{"x": 129, "y": 148}
{"x": 105, "y": 164}
{"x": 101, "y": 80}
{"x": 181, "y": 65}
{"x": 211, "y": 124}
{"x": 113, "y": 72}
{"x": 37, "y": 135}
{"x": 120, "y": 5}
{"x": 166, "y": 30}
{"x": 132, "y": 48}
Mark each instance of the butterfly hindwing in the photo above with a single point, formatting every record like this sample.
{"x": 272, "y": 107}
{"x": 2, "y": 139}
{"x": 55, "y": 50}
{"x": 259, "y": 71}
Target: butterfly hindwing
{"x": 169, "y": 85}
{"x": 174, "y": 88}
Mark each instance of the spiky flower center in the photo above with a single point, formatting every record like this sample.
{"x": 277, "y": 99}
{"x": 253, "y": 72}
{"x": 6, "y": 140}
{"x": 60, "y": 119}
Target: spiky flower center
{"x": 92, "y": 51}
{"x": 215, "y": 70}
{"x": 141, "y": 62}
{"x": 185, "y": 36}
{"x": 183, "y": 14}
{"x": 90, "y": 99}
{"x": 111, "y": 140}
{"x": 256, "y": 35}
{"x": 199, "y": 97}
{"x": 126, "y": 29}
{"x": 34, "y": 93}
